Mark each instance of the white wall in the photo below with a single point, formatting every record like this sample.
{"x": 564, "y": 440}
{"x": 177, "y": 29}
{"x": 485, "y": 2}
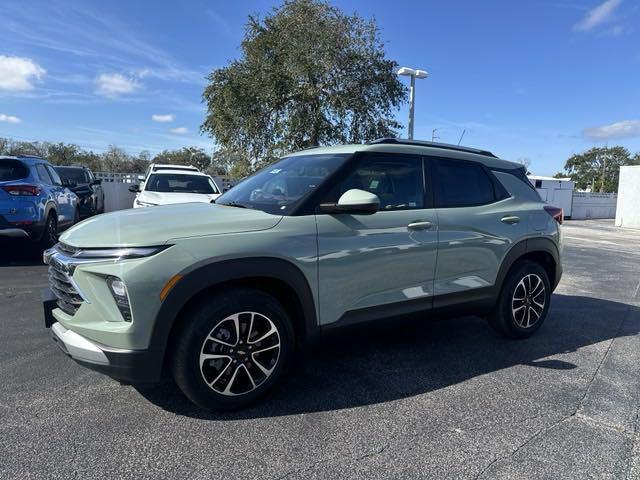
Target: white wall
{"x": 628, "y": 209}
{"x": 593, "y": 205}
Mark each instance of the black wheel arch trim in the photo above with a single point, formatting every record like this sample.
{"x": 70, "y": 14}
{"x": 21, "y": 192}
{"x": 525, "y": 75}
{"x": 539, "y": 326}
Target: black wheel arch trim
{"x": 528, "y": 246}
{"x": 209, "y": 273}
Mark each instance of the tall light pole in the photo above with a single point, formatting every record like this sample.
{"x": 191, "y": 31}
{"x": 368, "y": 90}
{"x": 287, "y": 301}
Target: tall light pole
{"x": 410, "y": 72}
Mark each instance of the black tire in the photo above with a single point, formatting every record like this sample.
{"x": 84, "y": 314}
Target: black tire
{"x": 515, "y": 318}
{"x": 212, "y": 317}
{"x": 50, "y": 233}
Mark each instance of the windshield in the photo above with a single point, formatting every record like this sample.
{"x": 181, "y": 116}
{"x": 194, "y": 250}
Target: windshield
{"x": 76, "y": 175}
{"x": 180, "y": 183}
{"x": 278, "y": 188}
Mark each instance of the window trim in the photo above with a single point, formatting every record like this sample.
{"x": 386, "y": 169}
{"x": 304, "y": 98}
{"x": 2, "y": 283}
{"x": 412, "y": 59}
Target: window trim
{"x": 350, "y": 166}
{"x": 498, "y": 191}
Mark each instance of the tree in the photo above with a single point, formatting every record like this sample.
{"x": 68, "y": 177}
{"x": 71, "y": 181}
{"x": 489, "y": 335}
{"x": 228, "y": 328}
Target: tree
{"x": 115, "y": 159}
{"x": 185, "y": 156}
{"x": 63, "y": 154}
{"x": 590, "y": 168}
{"x": 526, "y": 163}
{"x": 309, "y": 75}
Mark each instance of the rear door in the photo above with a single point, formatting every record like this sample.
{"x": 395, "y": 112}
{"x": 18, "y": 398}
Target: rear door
{"x": 478, "y": 222}
{"x": 378, "y": 265}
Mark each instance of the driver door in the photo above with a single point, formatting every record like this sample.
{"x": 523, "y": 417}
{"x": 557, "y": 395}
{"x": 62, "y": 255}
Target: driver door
{"x": 381, "y": 264}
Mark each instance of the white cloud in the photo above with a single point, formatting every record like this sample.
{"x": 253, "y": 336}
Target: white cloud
{"x": 622, "y": 129}
{"x": 18, "y": 73}
{"x": 9, "y": 118}
{"x": 114, "y": 84}
{"x": 179, "y": 130}
{"x": 597, "y": 16}
{"x": 163, "y": 118}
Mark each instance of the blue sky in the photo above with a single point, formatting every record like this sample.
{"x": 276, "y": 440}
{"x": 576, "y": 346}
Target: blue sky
{"x": 536, "y": 79}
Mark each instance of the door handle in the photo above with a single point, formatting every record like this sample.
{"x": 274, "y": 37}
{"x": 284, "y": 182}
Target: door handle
{"x": 420, "y": 226}
{"x": 510, "y": 219}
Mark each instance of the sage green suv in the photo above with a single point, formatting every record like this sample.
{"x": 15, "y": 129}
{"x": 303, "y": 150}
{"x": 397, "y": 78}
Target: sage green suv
{"x": 221, "y": 295}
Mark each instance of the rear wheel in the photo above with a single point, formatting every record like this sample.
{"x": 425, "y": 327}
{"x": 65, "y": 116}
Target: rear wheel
{"x": 50, "y": 233}
{"x": 233, "y": 349}
{"x": 524, "y": 301}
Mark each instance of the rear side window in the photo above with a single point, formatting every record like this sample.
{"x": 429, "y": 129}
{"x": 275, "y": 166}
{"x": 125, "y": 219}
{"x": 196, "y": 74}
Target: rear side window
{"x": 54, "y": 175}
{"x": 43, "y": 174}
{"x": 12, "y": 170}
{"x": 461, "y": 184}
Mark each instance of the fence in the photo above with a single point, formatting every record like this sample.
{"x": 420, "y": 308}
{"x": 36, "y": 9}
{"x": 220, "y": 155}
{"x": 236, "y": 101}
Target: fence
{"x": 116, "y": 189}
{"x": 593, "y": 205}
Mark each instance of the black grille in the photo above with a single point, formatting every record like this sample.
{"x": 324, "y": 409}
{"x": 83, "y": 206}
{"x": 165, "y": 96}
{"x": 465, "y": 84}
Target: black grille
{"x": 69, "y": 299}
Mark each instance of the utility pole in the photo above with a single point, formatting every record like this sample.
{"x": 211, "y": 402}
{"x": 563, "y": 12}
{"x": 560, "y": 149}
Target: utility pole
{"x": 433, "y": 134}
{"x": 604, "y": 167}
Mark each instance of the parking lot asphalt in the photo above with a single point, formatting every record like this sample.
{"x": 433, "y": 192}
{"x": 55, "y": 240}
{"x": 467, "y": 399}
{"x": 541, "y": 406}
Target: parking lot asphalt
{"x": 437, "y": 399}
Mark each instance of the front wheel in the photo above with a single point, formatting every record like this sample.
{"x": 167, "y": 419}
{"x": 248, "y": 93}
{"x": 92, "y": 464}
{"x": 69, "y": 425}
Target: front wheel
{"x": 233, "y": 349}
{"x": 524, "y": 301}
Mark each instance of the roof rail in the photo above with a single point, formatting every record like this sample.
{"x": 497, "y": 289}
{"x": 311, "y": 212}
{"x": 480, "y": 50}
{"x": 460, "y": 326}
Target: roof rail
{"x": 22, "y": 155}
{"x": 424, "y": 143}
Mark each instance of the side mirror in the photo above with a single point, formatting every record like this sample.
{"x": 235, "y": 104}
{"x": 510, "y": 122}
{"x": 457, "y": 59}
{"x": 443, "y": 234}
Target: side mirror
{"x": 134, "y": 188}
{"x": 97, "y": 181}
{"x": 355, "y": 202}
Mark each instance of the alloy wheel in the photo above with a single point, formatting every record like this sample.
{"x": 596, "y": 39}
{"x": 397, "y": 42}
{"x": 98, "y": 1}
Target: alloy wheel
{"x": 240, "y": 353}
{"x": 528, "y": 301}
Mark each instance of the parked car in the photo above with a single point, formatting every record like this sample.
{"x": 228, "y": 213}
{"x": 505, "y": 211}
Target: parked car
{"x": 220, "y": 295}
{"x": 158, "y": 167}
{"x": 81, "y": 181}
{"x": 163, "y": 187}
{"x": 33, "y": 202}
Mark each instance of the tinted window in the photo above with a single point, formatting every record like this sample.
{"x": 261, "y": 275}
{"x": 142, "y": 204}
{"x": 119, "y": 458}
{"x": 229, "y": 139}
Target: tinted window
{"x": 54, "y": 176}
{"x": 76, "y": 175}
{"x": 12, "y": 170}
{"x": 280, "y": 187}
{"x": 396, "y": 180}
{"x": 461, "y": 184}
{"x": 43, "y": 174}
{"x": 177, "y": 183}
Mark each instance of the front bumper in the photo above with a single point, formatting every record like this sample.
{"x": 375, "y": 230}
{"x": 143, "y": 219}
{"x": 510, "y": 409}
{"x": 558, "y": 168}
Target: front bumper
{"x": 13, "y": 233}
{"x": 130, "y": 366}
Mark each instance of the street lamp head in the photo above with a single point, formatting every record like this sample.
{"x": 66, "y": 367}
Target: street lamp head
{"x": 410, "y": 72}
{"x": 406, "y": 71}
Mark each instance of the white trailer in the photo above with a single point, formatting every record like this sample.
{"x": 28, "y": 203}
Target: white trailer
{"x": 555, "y": 191}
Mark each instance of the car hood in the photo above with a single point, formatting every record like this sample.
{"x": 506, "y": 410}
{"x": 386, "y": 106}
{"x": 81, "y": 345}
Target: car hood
{"x": 157, "y": 225}
{"x": 159, "y": 198}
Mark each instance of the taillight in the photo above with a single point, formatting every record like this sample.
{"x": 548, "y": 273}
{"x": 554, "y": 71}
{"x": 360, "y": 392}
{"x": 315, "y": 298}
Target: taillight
{"x": 22, "y": 190}
{"x": 556, "y": 212}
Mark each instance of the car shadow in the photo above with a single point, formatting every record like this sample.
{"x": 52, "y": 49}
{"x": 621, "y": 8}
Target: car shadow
{"x": 18, "y": 253}
{"x": 375, "y": 366}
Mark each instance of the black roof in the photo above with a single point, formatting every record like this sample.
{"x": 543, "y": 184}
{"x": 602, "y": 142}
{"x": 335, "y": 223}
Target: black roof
{"x": 424, "y": 143}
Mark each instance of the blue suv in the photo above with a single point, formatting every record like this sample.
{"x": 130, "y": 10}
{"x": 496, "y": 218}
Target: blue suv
{"x": 33, "y": 202}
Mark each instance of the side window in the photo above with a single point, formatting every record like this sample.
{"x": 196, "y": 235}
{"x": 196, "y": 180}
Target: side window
{"x": 461, "y": 184}
{"x": 89, "y": 176}
{"x": 43, "y": 174}
{"x": 54, "y": 175}
{"x": 396, "y": 180}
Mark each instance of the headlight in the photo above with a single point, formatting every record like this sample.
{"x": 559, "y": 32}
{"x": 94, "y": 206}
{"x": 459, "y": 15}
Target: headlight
{"x": 140, "y": 203}
{"x": 119, "y": 292}
{"x": 118, "y": 253}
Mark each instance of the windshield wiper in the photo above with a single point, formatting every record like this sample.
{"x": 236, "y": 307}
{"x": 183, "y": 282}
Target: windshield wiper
{"x": 234, "y": 204}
